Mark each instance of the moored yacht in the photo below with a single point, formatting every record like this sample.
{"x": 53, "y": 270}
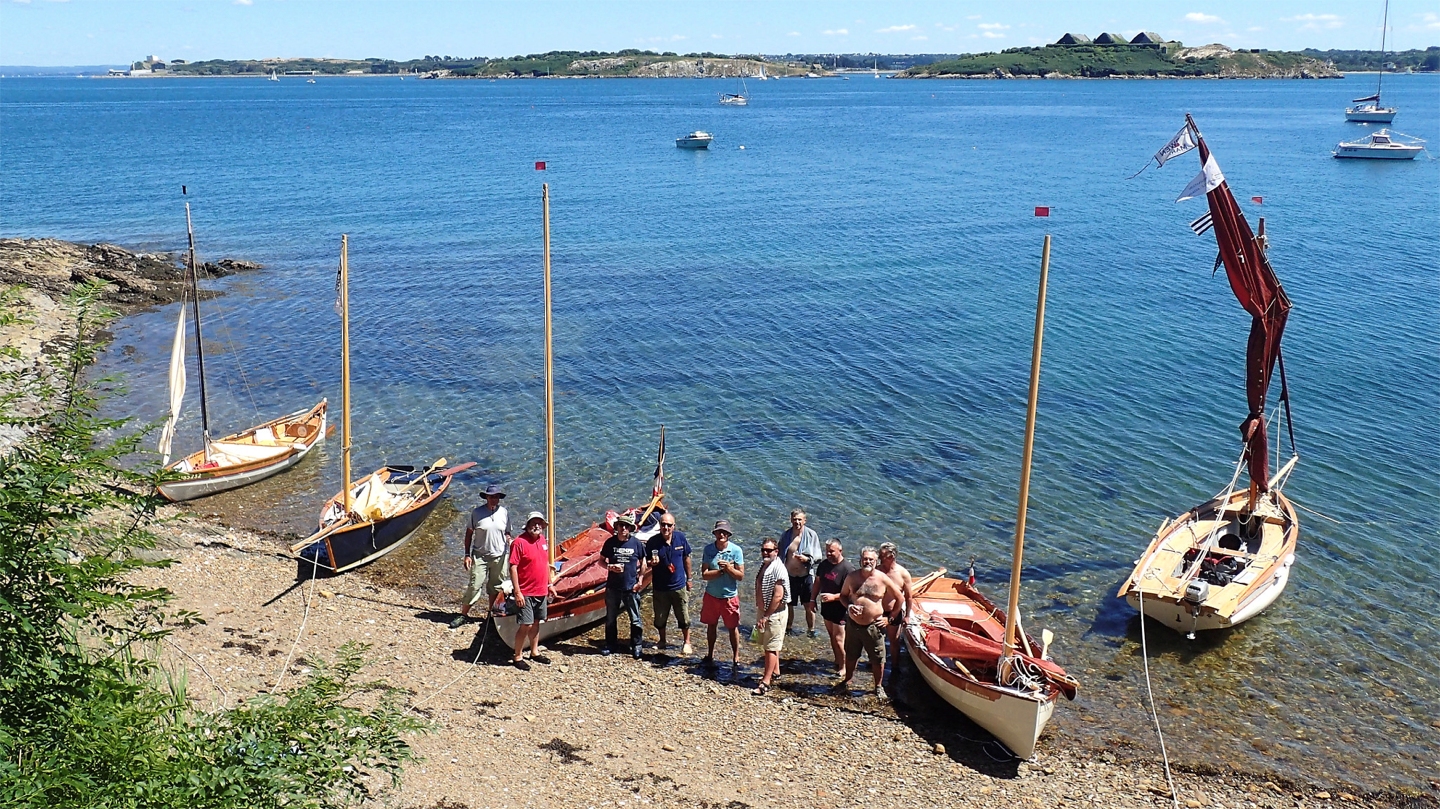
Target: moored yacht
{"x": 694, "y": 140}
{"x": 1381, "y": 145}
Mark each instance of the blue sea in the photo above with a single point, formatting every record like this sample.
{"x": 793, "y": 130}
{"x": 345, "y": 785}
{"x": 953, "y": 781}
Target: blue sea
{"x": 830, "y": 308}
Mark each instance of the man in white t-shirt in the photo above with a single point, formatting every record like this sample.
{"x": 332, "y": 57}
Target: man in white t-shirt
{"x": 485, "y": 555}
{"x": 772, "y": 595}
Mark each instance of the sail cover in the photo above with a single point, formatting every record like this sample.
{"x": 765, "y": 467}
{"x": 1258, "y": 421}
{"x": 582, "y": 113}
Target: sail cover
{"x": 1259, "y": 292}
{"x": 177, "y": 387}
{"x": 1375, "y": 98}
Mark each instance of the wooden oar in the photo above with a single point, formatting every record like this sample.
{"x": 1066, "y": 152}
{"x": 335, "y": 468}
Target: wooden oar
{"x": 654, "y": 501}
{"x": 1045, "y": 637}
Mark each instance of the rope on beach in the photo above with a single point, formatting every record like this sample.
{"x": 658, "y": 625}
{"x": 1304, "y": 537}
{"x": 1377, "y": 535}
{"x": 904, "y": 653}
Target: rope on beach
{"x": 484, "y": 636}
{"x": 314, "y": 571}
{"x": 1145, "y": 658}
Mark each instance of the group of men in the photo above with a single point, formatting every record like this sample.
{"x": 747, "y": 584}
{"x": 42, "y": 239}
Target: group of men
{"x": 862, "y": 607}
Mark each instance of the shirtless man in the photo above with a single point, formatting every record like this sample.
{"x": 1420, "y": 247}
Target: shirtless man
{"x": 865, "y": 594}
{"x": 895, "y": 612}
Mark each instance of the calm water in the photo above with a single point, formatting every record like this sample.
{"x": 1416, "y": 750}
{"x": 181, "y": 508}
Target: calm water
{"x": 836, "y": 316}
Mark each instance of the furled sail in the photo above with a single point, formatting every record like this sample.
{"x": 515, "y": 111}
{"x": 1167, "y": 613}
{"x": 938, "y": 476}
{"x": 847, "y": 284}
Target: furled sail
{"x": 177, "y": 387}
{"x": 1375, "y": 98}
{"x": 1254, "y": 283}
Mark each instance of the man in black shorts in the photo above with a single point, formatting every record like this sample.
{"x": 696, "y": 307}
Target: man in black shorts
{"x": 829, "y": 579}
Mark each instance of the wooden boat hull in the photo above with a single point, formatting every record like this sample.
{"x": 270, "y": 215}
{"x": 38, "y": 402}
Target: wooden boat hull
{"x": 1016, "y": 718}
{"x": 1267, "y": 555}
{"x": 344, "y": 545}
{"x": 581, "y": 604}
{"x": 272, "y": 448}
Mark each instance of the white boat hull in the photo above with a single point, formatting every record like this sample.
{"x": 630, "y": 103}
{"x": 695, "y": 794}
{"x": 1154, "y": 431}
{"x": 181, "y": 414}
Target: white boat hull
{"x": 1179, "y": 616}
{"x": 506, "y": 626}
{"x": 1370, "y": 116}
{"x": 181, "y": 490}
{"x": 1395, "y": 151}
{"x": 1014, "y": 720}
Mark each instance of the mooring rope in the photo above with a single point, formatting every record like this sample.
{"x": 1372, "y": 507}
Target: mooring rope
{"x": 314, "y": 571}
{"x": 1150, "y": 691}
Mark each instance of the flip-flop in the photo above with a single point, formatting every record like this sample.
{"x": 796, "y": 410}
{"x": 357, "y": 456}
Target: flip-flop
{"x": 761, "y": 690}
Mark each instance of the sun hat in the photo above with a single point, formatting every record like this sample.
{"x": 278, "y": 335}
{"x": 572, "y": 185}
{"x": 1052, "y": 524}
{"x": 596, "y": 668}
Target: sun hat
{"x": 722, "y": 525}
{"x": 494, "y": 490}
{"x": 535, "y": 515}
{"x": 625, "y": 519}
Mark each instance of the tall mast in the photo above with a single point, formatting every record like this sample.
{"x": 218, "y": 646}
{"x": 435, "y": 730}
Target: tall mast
{"x": 1012, "y": 611}
{"x": 199, "y": 342}
{"x": 549, "y": 381}
{"x": 1384, "y": 26}
{"x": 345, "y": 366}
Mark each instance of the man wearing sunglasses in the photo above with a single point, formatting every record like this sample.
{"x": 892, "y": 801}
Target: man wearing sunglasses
{"x": 772, "y": 597}
{"x": 669, "y": 556}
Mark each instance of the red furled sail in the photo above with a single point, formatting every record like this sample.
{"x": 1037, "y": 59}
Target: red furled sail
{"x": 1259, "y": 292}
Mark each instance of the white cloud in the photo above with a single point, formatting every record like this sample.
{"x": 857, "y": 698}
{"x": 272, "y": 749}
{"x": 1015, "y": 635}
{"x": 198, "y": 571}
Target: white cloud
{"x": 894, "y": 29}
{"x": 21, "y": 2}
{"x": 1196, "y": 16}
{"x": 793, "y": 34}
{"x": 992, "y": 26}
{"x": 716, "y": 36}
{"x": 973, "y": 17}
{"x": 1316, "y": 22}
{"x": 1431, "y": 20}
{"x": 920, "y": 38}
{"x": 244, "y": 2}
{"x": 992, "y": 35}
{"x": 835, "y": 32}
{"x": 1254, "y": 28}
{"x": 671, "y": 38}
{"x": 943, "y": 27}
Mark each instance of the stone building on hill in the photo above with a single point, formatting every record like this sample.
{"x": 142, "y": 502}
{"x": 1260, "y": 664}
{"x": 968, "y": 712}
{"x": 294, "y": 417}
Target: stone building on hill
{"x": 1074, "y": 39}
{"x": 1111, "y": 39}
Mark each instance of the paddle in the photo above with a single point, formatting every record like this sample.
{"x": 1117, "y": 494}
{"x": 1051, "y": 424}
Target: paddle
{"x": 456, "y": 469}
{"x": 1045, "y": 637}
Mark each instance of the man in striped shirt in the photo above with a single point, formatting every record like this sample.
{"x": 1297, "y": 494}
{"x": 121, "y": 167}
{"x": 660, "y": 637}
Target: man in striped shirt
{"x": 772, "y": 595}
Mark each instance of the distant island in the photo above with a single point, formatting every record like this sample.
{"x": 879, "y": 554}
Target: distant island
{"x": 1145, "y": 55}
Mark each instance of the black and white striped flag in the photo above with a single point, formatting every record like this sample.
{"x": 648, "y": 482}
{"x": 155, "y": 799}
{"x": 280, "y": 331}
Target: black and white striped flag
{"x": 1202, "y": 224}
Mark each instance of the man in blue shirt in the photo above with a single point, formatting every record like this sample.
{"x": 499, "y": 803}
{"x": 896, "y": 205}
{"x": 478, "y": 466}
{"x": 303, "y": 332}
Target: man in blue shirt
{"x": 625, "y": 559}
{"x": 668, "y": 555}
{"x": 723, "y": 568}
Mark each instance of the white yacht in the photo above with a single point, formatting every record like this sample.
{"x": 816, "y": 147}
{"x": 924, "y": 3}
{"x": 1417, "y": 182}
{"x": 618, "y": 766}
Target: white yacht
{"x": 694, "y": 140}
{"x": 1381, "y": 145}
{"x": 1368, "y": 110}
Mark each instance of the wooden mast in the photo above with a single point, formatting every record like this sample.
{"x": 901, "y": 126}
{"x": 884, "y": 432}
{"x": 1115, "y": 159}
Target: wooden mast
{"x": 345, "y": 367}
{"x": 199, "y": 343}
{"x": 1012, "y": 610}
{"x": 549, "y": 382}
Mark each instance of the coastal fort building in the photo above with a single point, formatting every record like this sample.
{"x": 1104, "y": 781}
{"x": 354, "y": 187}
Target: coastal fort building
{"x": 1144, "y": 39}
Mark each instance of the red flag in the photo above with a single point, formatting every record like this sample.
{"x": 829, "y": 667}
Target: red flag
{"x": 1042, "y": 210}
{"x": 539, "y": 165}
{"x": 1257, "y": 200}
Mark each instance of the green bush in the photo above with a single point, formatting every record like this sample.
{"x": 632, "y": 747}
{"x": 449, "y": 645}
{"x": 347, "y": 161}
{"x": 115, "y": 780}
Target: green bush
{"x": 88, "y": 716}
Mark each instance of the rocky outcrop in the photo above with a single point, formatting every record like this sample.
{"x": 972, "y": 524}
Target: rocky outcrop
{"x": 136, "y": 280}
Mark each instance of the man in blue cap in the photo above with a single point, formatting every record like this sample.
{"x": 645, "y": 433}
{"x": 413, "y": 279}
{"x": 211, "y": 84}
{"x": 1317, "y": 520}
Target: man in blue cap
{"x": 487, "y": 560}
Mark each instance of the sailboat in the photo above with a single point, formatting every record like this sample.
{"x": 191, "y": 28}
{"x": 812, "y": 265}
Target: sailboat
{"x": 976, "y": 656}
{"x": 378, "y": 513}
{"x": 581, "y": 574}
{"x": 739, "y": 99}
{"x": 1226, "y": 560}
{"x": 1368, "y": 110}
{"x": 273, "y": 76}
{"x": 235, "y": 460}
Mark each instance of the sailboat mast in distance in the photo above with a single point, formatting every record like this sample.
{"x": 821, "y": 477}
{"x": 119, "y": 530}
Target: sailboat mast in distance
{"x": 199, "y": 342}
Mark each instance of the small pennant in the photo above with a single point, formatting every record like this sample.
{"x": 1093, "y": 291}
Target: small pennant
{"x": 1042, "y": 210}
{"x": 1202, "y": 224}
{"x": 1257, "y": 200}
{"x": 539, "y": 165}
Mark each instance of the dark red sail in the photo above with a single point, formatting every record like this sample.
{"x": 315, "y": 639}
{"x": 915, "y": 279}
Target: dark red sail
{"x": 1259, "y": 292}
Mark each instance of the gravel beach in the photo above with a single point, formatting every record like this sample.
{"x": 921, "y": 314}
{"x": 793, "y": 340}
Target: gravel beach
{"x": 590, "y": 730}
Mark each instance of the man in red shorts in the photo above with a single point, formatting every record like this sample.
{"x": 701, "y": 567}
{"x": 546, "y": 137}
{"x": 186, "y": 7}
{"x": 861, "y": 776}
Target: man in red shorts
{"x": 723, "y": 569}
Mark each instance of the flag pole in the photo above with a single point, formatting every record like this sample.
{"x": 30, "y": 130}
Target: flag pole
{"x": 1012, "y": 611}
{"x": 549, "y": 381}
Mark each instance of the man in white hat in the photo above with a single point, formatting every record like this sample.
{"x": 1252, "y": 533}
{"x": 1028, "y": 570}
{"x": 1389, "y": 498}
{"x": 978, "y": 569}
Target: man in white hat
{"x": 533, "y": 577}
{"x": 485, "y": 561}
{"x": 625, "y": 560}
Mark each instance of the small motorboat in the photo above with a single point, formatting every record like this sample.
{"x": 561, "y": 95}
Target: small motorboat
{"x": 1381, "y": 145}
{"x": 694, "y": 140}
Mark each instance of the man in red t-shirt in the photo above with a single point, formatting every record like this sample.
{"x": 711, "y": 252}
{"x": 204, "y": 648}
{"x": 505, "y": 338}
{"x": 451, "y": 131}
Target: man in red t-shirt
{"x": 532, "y": 575}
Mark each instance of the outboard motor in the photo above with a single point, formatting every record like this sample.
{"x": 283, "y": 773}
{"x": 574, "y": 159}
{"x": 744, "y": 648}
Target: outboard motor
{"x": 1197, "y": 591}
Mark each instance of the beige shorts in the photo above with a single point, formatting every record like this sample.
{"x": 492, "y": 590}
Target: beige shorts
{"x": 486, "y": 575}
{"x": 770, "y": 633}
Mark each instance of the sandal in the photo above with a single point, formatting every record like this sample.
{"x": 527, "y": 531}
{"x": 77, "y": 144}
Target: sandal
{"x": 761, "y": 690}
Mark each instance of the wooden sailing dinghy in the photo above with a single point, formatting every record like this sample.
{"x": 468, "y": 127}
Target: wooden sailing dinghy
{"x": 235, "y": 460}
{"x": 375, "y": 515}
{"x": 976, "y": 656}
{"x": 1226, "y": 560}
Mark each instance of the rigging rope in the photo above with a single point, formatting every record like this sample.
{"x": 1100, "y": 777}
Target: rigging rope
{"x": 314, "y": 571}
{"x": 1150, "y": 691}
{"x": 227, "y": 336}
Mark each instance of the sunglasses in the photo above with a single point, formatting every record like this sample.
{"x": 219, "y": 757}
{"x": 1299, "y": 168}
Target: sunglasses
{"x": 768, "y": 550}
{"x": 667, "y": 525}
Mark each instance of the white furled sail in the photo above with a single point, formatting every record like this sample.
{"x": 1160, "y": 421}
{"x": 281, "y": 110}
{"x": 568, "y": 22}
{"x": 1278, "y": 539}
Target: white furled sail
{"x": 177, "y": 387}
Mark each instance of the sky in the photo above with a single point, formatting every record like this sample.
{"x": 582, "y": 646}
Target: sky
{"x": 99, "y": 32}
